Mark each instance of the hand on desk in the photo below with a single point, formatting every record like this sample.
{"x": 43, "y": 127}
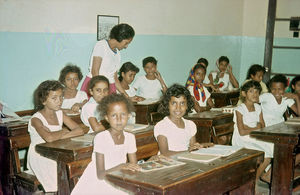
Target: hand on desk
{"x": 159, "y": 157}
{"x": 197, "y": 146}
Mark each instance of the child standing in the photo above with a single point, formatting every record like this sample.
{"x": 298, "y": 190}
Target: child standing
{"x": 70, "y": 76}
{"x": 99, "y": 88}
{"x": 105, "y": 59}
{"x": 46, "y": 126}
{"x": 126, "y": 76}
{"x": 248, "y": 117}
{"x": 174, "y": 133}
{"x": 201, "y": 96}
{"x": 275, "y": 104}
{"x": 111, "y": 148}
{"x": 223, "y": 78}
{"x": 152, "y": 84}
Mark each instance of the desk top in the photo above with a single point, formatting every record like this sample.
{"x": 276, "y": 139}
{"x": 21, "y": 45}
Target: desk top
{"x": 208, "y": 115}
{"x": 68, "y": 150}
{"x": 222, "y": 93}
{"x": 279, "y": 133}
{"x": 164, "y": 180}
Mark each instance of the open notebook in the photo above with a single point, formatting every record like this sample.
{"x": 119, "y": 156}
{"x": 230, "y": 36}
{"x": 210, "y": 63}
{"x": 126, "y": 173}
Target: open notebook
{"x": 159, "y": 164}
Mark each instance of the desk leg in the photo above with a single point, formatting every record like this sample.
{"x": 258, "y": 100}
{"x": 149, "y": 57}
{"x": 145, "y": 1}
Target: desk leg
{"x": 283, "y": 169}
{"x": 62, "y": 179}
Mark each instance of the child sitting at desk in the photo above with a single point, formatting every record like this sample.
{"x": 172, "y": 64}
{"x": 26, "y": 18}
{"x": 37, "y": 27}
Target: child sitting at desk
{"x": 70, "y": 76}
{"x": 275, "y": 104}
{"x": 248, "y": 117}
{"x": 111, "y": 148}
{"x": 46, "y": 126}
{"x": 200, "y": 95}
{"x": 174, "y": 133}
{"x": 126, "y": 76}
{"x": 98, "y": 88}
{"x": 152, "y": 84}
{"x": 295, "y": 86}
{"x": 223, "y": 78}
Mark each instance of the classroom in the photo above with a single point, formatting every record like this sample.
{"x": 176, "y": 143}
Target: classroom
{"x": 38, "y": 38}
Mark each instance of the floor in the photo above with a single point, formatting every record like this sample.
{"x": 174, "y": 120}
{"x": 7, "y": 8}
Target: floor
{"x": 262, "y": 188}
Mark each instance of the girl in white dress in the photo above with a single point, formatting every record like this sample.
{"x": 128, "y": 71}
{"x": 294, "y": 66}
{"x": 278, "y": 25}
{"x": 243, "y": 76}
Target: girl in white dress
{"x": 248, "y": 117}
{"x": 46, "y": 126}
{"x": 275, "y": 104}
{"x": 98, "y": 88}
{"x": 70, "y": 76}
{"x": 111, "y": 148}
{"x": 200, "y": 95}
{"x": 174, "y": 133}
{"x": 126, "y": 76}
{"x": 223, "y": 79}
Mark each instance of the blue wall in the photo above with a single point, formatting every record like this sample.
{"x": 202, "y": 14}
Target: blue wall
{"x": 30, "y": 58}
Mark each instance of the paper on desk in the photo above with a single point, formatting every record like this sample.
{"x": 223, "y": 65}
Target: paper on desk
{"x": 135, "y": 127}
{"x": 84, "y": 138}
{"x": 159, "y": 164}
{"x": 218, "y": 150}
{"x": 204, "y": 158}
{"x": 148, "y": 101}
{"x": 7, "y": 114}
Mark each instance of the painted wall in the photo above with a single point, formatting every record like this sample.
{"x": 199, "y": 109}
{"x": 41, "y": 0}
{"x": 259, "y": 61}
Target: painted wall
{"x": 38, "y": 37}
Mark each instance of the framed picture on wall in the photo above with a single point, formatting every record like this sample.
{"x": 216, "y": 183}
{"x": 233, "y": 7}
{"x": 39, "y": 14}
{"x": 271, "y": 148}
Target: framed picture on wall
{"x": 105, "y": 24}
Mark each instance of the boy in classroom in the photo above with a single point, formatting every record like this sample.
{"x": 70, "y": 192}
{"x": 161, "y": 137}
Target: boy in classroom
{"x": 200, "y": 94}
{"x": 223, "y": 78}
{"x": 275, "y": 104}
{"x": 248, "y": 117}
{"x": 98, "y": 88}
{"x": 46, "y": 126}
{"x": 126, "y": 76}
{"x": 73, "y": 100}
{"x": 256, "y": 72}
{"x": 151, "y": 85}
{"x": 111, "y": 148}
{"x": 175, "y": 134}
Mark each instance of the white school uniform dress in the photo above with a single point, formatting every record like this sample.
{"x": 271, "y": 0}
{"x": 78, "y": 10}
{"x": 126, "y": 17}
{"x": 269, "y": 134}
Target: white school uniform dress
{"x": 148, "y": 88}
{"x": 110, "y": 60}
{"x": 43, "y": 168}
{"x": 272, "y": 111}
{"x": 207, "y": 95}
{"x": 113, "y": 156}
{"x": 79, "y": 98}
{"x": 131, "y": 92}
{"x": 225, "y": 79}
{"x": 178, "y": 139}
{"x": 250, "y": 119}
{"x": 90, "y": 110}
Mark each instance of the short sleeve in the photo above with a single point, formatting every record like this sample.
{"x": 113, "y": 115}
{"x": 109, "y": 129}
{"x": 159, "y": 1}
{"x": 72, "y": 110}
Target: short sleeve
{"x": 83, "y": 96}
{"x": 100, "y": 142}
{"x": 192, "y": 127}
{"x": 99, "y": 49}
{"x": 131, "y": 143}
{"x": 290, "y": 102}
{"x": 87, "y": 112}
{"x": 136, "y": 84}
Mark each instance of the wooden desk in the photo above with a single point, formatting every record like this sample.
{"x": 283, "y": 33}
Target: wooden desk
{"x": 206, "y": 121}
{"x": 67, "y": 151}
{"x": 225, "y": 98}
{"x": 235, "y": 173}
{"x": 143, "y": 112}
{"x": 285, "y": 138}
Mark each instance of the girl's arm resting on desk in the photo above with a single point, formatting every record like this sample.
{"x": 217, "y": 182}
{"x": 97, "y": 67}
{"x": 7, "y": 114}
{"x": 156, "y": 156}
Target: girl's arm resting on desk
{"x": 96, "y": 126}
{"x": 97, "y": 60}
{"x": 100, "y": 165}
{"x": 163, "y": 146}
{"x": 75, "y": 129}
{"x": 244, "y": 129}
{"x": 77, "y": 106}
{"x": 194, "y": 145}
{"x": 119, "y": 86}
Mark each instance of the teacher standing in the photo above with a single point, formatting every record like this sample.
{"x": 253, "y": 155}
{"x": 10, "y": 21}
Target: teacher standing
{"x": 106, "y": 59}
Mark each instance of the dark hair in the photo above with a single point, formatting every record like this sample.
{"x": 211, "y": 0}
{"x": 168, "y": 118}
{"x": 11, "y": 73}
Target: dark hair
{"x": 67, "y": 69}
{"x": 197, "y": 66}
{"x": 114, "y": 98}
{"x": 294, "y": 81}
{"x": 250, "y": 84}
{"x": 121, "y": 32}
{"x": 279, "y": 78}
{"x": 41, "y": 93}
{"x": 126, "y": 67}
{"x": 96, "y": 79}
{"x": 254, "y": 69}
{"x": 149, "y": 59}
{"x": 175, "y": 90}
{"x": 202, "y": 60}
{"x": 223, "y": 58}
